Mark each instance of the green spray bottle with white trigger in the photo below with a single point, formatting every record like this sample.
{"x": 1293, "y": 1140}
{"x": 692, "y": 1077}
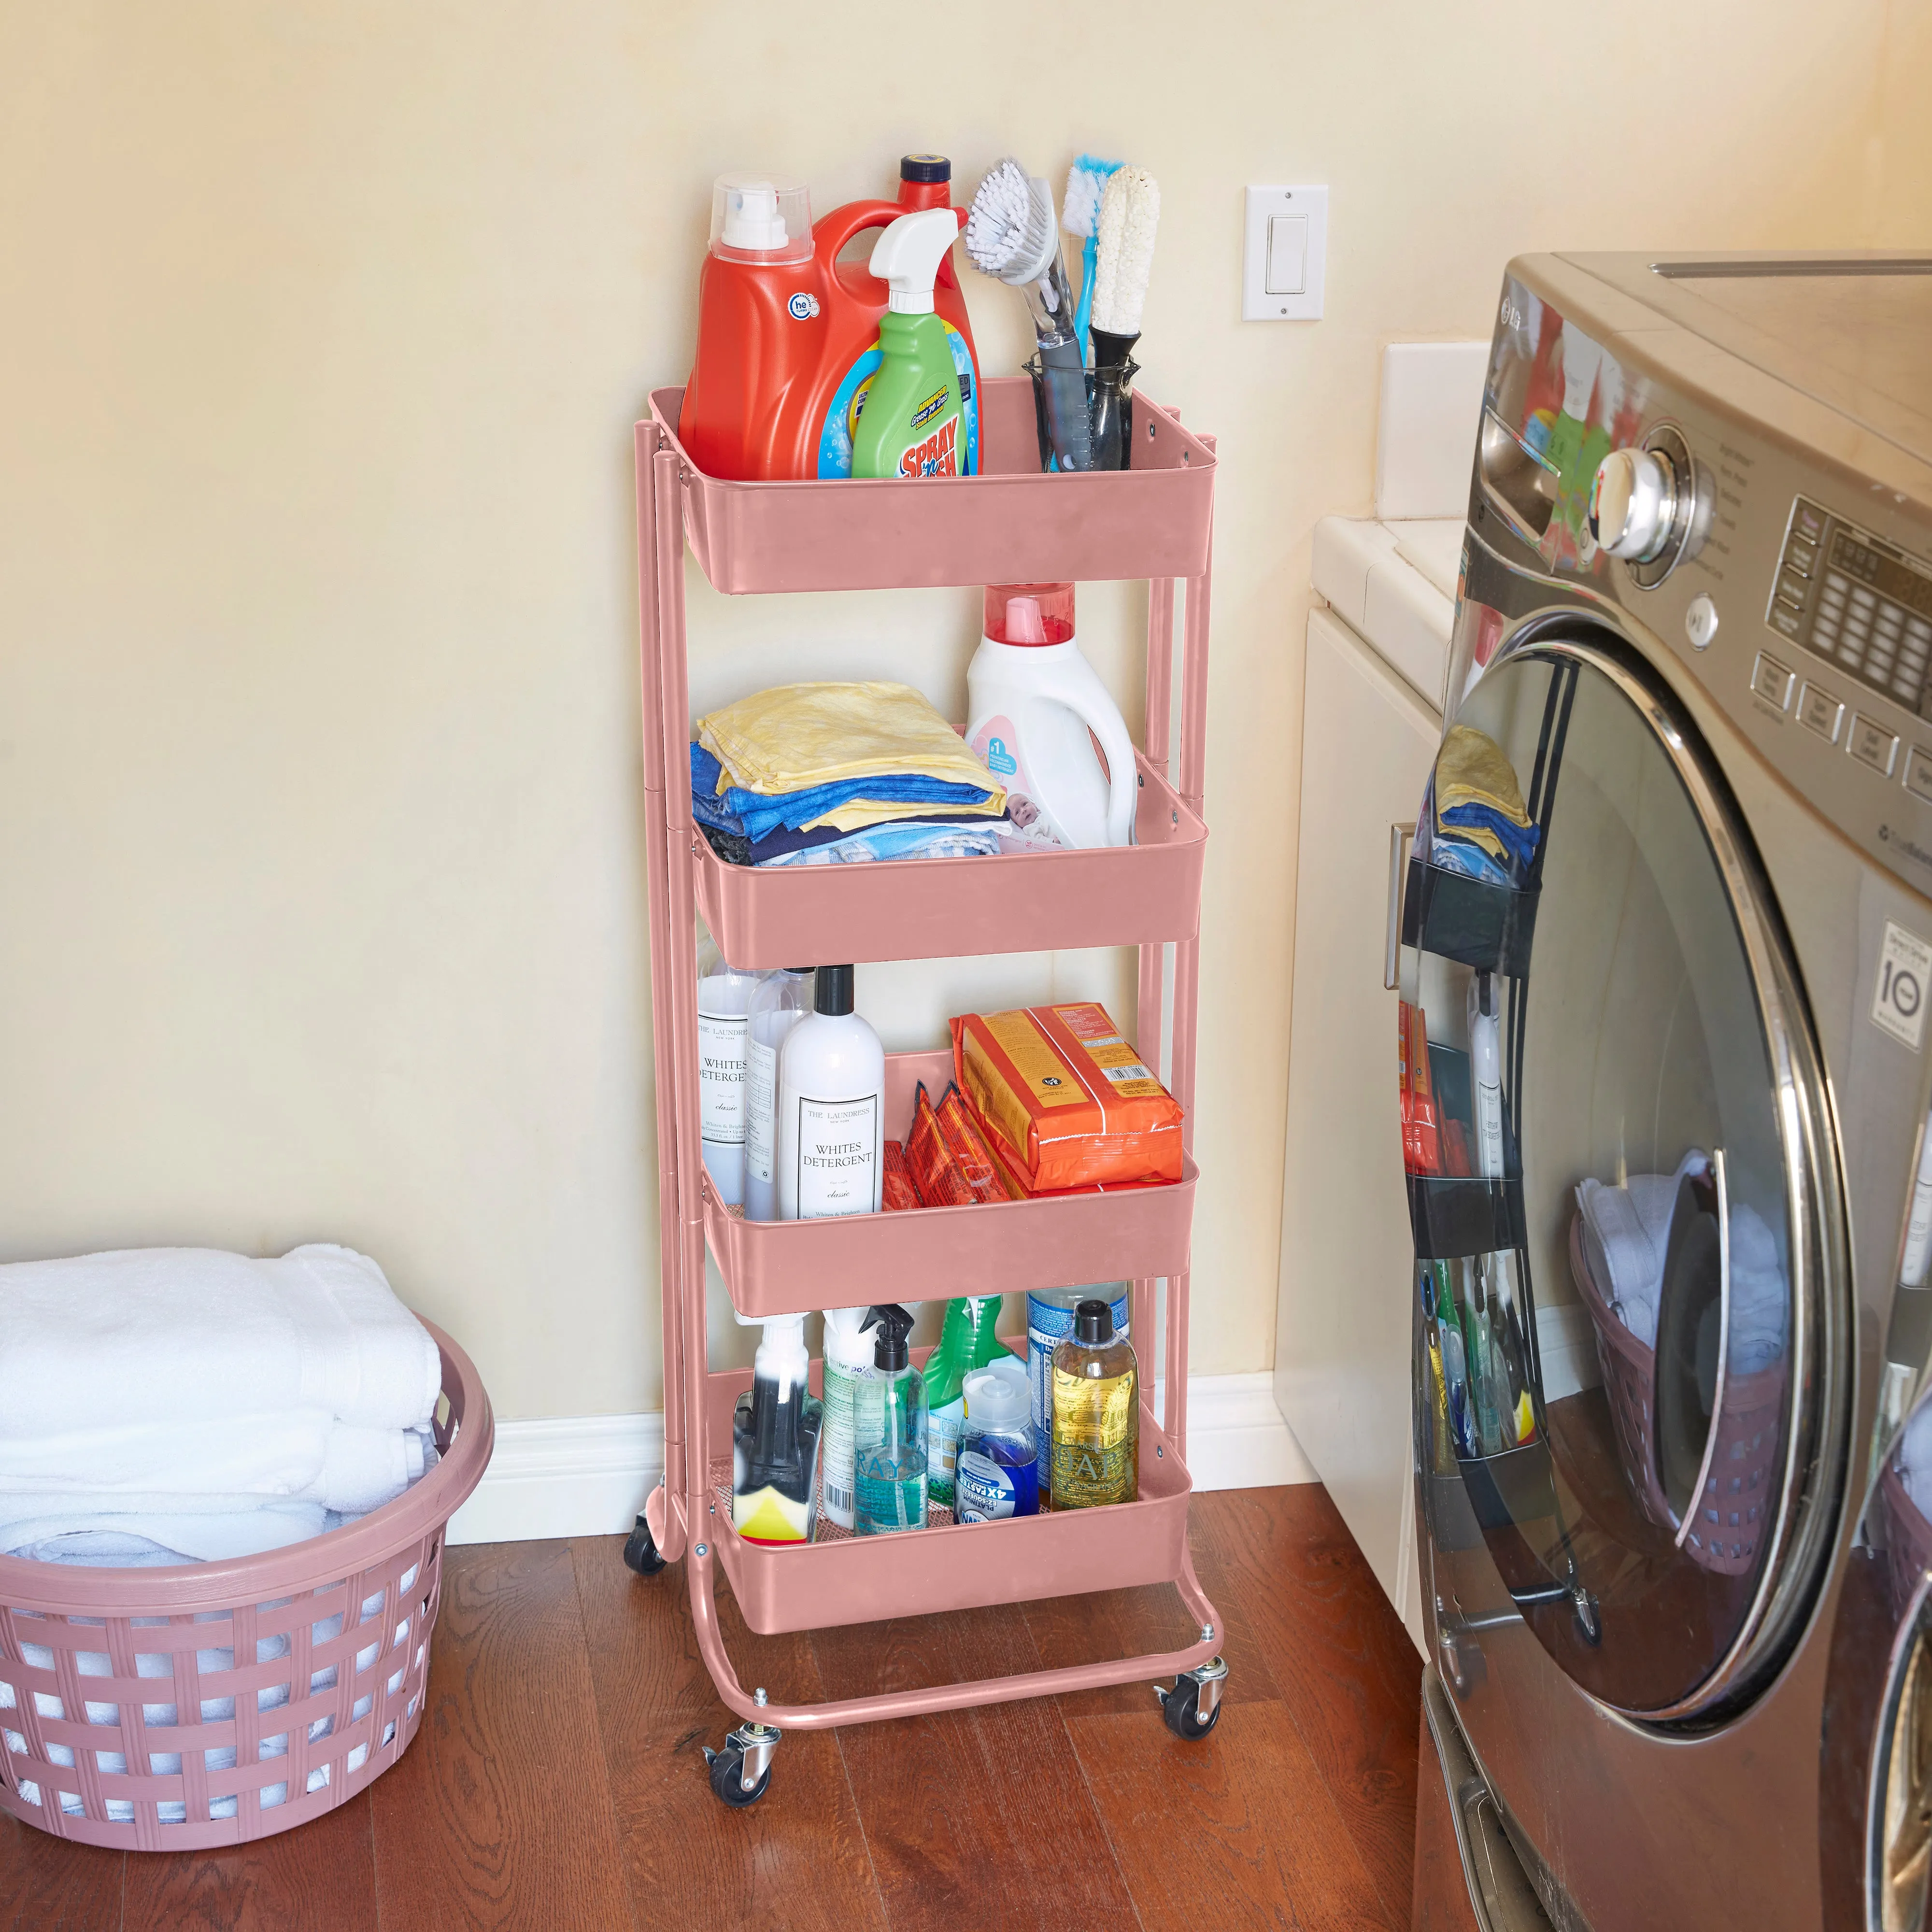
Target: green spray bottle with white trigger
{"x": 913, "y": 424}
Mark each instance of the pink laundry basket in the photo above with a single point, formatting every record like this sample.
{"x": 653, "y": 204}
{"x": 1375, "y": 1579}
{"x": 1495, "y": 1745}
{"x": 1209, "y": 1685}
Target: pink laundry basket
{"x": 1908, "y": 1536}
{"x": 1730, "y": 1514}
{"x": 206, "y": 1704}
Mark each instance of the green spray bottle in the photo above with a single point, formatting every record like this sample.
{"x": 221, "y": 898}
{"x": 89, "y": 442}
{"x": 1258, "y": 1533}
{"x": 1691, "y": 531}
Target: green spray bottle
{"x": 967, "y": 1343}
{"x": 913, "y": 423}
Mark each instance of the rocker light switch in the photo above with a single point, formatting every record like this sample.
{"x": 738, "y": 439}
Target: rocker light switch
{"x": 1284, "y": 262}
{"x": 1287, "y": 254}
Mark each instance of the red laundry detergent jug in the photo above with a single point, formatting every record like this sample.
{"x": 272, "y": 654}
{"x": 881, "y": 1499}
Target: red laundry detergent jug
{"x": 788, "y": 335}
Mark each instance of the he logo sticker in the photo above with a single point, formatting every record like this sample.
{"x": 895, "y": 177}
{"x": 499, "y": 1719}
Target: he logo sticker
{"x": 1904, "y": 979}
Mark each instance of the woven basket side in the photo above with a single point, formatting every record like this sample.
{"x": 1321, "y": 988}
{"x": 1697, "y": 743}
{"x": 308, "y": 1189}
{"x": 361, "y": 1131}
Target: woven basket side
{"x": 1908, "y": 1538}
{"x": 1630, "y": 1379}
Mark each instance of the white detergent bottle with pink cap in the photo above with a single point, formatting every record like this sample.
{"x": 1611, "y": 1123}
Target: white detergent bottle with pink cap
{"x": 1035, "y": 709}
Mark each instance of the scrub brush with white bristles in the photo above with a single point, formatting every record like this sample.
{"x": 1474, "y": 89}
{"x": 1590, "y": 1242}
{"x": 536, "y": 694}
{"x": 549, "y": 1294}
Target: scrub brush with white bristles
{"x": 1130, "y": 214}
{"x": 1011, "y": 235}
{"x": 1080, "y": 214}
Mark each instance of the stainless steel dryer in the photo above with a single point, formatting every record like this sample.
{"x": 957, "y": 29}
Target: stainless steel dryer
{"x": 1667, "y": 932}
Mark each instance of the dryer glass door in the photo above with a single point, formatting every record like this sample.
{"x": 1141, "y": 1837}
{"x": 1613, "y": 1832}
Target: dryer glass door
{"x": 1622, "y": 1337}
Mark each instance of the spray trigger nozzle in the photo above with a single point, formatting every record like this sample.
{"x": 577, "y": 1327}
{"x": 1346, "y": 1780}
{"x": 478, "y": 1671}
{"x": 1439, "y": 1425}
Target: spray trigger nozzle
{"x": 892, "y": 1350}
{"x": 907, "y": 257}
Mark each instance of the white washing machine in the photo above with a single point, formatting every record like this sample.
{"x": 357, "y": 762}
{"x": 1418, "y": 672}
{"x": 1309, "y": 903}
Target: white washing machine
{"x": 1668, "y": 927}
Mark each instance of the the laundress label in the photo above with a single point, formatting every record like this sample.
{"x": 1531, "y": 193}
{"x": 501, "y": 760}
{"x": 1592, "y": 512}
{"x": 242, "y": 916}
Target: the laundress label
{"x": 837, "y": 1156}
{"x": 720, "y": 1077}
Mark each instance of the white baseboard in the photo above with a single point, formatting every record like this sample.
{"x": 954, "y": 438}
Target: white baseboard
{"x": 588, "y": 1475}
{"x": 1236, "y": 1437}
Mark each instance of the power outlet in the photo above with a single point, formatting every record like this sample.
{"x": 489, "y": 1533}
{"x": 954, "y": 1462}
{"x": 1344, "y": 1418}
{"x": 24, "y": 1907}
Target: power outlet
{"x": 1285, "y": 259}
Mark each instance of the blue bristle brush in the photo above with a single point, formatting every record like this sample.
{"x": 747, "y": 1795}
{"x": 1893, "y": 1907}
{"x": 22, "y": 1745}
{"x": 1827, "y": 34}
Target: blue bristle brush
{"x": 1080, "y": 214}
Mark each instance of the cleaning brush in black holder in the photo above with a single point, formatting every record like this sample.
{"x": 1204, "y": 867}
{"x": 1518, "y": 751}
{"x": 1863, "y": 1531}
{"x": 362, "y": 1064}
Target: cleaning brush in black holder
{"x": 1104, "y": 398}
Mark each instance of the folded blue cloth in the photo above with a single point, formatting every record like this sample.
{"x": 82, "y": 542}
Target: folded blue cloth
{"x": 1518, "y": 841}
{"x": 782, "y": 843}
{"x": 900, "y": 840}
{"x": 757, "y": 814}
{"x": 1451, "y": 854}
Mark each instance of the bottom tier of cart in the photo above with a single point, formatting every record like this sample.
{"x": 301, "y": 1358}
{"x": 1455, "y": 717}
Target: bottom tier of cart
{"x": 949, "y": 1565}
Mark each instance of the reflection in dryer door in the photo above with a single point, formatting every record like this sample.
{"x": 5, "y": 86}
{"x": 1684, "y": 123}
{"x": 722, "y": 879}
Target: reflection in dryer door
{"x": 1666, "y": 1157}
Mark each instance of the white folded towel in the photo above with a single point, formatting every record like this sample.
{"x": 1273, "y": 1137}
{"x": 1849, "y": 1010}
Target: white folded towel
{"x": 1626, "y": 1241}
{"x": 1627, "y": 1238}
{"x": 62, "y": 1529}
{"x": 305, "y": 1456}
{"x": 364, "y": 1468}
{"x": 153, "y": 1336}
{"x": 1913, "y": 1458}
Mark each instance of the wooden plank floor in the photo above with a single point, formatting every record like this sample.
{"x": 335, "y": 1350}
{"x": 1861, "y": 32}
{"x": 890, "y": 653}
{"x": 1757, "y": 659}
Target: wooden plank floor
{"x": 558, "y": 1780}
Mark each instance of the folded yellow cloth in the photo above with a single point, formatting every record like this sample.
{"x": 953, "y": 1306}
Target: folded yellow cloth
{"x": 1471, "y": 769}
{"x": 860, "y": 813}
{"x": 795, "y": 736}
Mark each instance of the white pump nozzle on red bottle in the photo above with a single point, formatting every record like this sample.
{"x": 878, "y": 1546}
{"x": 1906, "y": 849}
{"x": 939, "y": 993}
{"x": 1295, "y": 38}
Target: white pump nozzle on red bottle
{"x": 907, "y": 257}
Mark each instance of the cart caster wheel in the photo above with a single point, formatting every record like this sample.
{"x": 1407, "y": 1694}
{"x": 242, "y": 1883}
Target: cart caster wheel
{"x": 748, "y": 1750}
{"x": 728, "y": 1778}
{"x": 640, "y": 1550}
{"x": 1192, "y": 1707}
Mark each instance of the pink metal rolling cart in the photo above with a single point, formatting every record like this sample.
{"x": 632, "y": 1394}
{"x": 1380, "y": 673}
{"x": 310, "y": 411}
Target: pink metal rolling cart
{"x": 1010, "y": 524}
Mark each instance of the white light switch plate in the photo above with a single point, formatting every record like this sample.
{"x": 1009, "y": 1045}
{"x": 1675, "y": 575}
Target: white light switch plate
{"x": 1306, "y": 230}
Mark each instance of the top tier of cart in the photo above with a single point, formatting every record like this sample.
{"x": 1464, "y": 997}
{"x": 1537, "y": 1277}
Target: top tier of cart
{"x": 1010, "y": 524}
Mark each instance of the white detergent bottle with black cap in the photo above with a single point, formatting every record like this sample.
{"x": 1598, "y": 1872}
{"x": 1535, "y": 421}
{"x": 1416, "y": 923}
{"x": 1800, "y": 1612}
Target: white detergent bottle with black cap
{"x": 832, "y": 1092}
{"x": 1035, "y": 709}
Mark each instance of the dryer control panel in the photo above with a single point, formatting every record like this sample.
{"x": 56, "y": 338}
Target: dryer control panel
{"x": 1857, "y": 600}
{"x": 1865, "y": 607}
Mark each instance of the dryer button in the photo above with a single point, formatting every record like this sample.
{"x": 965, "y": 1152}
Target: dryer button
{"x": 1819, "y": 711}
{"x": 1918, "y": 776}
{"x": 1872, "y": 745}
{"x": 1700, "y": 623}
{"x": 1771, "y": 680}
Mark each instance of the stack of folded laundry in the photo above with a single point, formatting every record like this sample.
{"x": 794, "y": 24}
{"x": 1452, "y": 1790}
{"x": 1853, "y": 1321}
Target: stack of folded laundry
{"x": 1481, "y": 828}
{"x": 828, "y": 774}
{"x": 180, "y": 1404}
{"x": 1912, "y": 1459}
{"x": 1627, "y": 1242}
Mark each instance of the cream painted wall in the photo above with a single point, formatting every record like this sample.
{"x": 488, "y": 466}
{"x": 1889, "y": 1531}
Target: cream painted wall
{"x": 321, "y": 330}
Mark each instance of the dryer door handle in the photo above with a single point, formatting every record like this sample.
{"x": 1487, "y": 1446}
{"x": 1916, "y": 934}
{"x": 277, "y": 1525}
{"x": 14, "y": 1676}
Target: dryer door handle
{"x": 1695, "y": 1500}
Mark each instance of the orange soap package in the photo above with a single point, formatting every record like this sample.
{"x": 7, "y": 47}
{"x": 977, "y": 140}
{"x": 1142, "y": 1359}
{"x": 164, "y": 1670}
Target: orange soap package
{"x": 1065, "y": 1100}
{"x": 946, "y": 1161}
{"x": 896, "y": 1185}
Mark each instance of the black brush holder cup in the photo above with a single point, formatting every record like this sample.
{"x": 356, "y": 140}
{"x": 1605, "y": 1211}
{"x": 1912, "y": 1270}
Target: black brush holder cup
{"x": 1101, "y": 401}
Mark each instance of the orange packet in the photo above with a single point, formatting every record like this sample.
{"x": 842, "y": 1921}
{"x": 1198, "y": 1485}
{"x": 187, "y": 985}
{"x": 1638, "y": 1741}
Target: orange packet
{"x": 896, "y": 1185}
{"x": 988, "y": 1180}
{"x": 1421, "y": 1153}
{"x": 935, "y": 1173}
{"x": 1065, "y": 1098}
{"x": 1428, "y": 1138}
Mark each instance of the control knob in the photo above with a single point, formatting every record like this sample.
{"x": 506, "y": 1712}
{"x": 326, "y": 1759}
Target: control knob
{"x": 1633, "y": 504}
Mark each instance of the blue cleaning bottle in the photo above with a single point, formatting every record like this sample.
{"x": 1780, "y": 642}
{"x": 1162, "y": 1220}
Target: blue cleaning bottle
{"x": 997, "y": 1474}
